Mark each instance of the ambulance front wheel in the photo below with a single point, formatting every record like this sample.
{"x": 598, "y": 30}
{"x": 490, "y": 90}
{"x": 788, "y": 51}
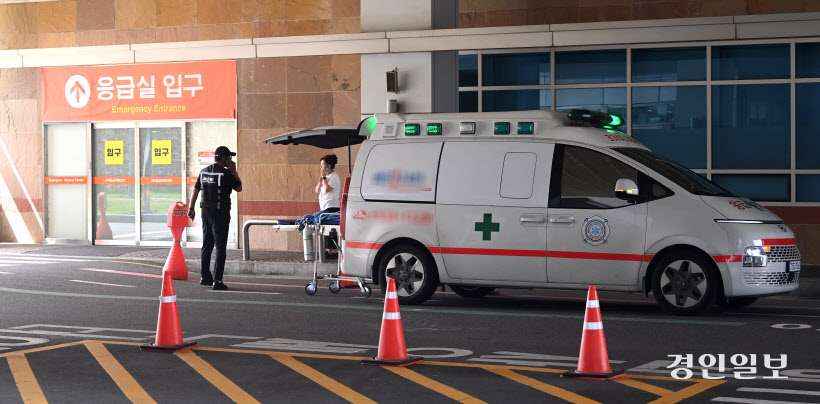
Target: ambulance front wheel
{"x": 414, "y": 271}
{"x": 685, "y": 283}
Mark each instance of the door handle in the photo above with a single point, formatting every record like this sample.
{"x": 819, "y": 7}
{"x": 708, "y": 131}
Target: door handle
{"x": 562, "y": 219}
{"x": 533, "y": 219}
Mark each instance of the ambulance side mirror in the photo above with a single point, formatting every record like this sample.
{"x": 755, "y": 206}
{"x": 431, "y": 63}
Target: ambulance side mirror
{"x": 627, "y": 190}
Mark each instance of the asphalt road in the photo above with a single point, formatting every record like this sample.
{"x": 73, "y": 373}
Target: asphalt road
{"x": 70, "y": 331}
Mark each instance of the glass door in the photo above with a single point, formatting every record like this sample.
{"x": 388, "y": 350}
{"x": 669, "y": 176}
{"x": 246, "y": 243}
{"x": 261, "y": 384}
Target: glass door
{"x": 162, "y": 169}
{"x": 114, "y": 188}
{"x": 66, "y": 183}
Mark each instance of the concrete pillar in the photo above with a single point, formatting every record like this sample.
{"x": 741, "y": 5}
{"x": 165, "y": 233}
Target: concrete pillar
{"x": 428, "y": 81}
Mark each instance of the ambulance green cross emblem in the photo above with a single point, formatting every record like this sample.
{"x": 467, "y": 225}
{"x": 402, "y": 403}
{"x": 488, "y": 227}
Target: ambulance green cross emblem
{"x": 487, "y": 227}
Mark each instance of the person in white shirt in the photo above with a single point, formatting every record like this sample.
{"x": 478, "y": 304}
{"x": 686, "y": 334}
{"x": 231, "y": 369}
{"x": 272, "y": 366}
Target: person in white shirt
{"x": 329, "y": 189}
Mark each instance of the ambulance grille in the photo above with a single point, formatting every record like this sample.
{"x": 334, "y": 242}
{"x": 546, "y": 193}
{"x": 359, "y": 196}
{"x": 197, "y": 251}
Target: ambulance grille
{"x": 770, "y": 279}
{"x": 783, "y": 253}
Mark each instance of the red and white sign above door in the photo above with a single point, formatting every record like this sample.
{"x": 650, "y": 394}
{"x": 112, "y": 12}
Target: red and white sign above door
{"x": 195, "y": 90}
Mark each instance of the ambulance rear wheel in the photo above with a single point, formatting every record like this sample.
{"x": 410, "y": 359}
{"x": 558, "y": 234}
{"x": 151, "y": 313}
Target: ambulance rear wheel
{"x": 472, "y": 291}
{"x": 685, "y": 283}
{"x": 414, "y": 271}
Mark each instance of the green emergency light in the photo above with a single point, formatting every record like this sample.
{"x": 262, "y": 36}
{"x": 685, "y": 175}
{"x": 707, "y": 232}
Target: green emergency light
{"x": 411, "y": 129}
{"x": 595, "y": 118}
{"x": 501, "y": 128}
{"x": 434, "y": 129}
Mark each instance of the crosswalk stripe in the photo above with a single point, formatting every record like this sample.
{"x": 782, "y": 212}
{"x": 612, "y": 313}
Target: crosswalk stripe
{"x": 27, "y": 384}
{"x": 124, "y": 380}
{"x": 779, "y": 391}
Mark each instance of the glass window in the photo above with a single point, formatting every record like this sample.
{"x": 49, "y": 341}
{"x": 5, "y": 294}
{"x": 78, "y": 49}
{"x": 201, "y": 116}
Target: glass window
{"x": 672, "y": 122}
{"x": 750, "y": 62}
{"x": 676, "y": 64}
{"x": 606, "y": 66}
{"x": 515, "y": 69}
{"x": 467, "y": 70}
{"x": 751, "y": 126}
{"x": 808, "y": 188}
{"x": 774, "y": 188}
{"x": 807, "y": 60}
{"x": 807, "y": 101}
{"x": 609, "y": 100}
{"x": 468, "y": 101}
{"x": 515, "y": 100}
{"x": 683, "y": 177}
{"x": 581, "y": 187}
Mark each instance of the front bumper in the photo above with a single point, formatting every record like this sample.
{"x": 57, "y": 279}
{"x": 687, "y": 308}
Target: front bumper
{"x": 775, "y": 278}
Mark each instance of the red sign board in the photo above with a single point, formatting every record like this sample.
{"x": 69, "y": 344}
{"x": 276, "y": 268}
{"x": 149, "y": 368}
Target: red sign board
{"x": 195, "y": 90}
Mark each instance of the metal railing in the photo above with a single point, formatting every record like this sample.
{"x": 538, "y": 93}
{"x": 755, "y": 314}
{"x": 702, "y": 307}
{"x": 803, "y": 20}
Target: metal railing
{"x": 246, "y": 242}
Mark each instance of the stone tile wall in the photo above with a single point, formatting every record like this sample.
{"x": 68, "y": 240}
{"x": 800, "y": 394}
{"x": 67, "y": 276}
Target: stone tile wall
{"x": 277, "y": 95}
{"x": 112, "y": 22}
{"x": 492, "y": 13}
{"x": 21, "y": 160}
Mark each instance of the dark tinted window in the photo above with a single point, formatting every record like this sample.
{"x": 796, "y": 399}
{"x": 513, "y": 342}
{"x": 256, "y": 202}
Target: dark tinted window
{"x": 515, "y": 69}
{"x": 680, "y": 175}
{"x": 675, "y": 64}
{"x": 745, "y": 62}
{"x": 587, "y": 179}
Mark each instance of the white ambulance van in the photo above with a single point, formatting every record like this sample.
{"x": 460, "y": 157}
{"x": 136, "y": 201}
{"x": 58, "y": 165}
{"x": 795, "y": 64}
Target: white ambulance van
{"x": 477, "y": 201}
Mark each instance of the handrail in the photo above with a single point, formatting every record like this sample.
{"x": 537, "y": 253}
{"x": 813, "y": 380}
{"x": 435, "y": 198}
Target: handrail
{"x": 246, "y": 243}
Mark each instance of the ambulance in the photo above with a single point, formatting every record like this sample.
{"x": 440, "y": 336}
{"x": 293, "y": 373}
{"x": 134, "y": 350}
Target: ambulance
{"x": 541, "y": 199}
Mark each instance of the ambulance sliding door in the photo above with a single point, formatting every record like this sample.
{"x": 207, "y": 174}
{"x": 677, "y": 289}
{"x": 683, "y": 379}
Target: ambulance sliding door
{"x": 492, "y": 209}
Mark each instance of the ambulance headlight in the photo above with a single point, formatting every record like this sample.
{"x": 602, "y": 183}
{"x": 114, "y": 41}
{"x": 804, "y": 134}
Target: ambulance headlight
{"x": 755, "y": 257}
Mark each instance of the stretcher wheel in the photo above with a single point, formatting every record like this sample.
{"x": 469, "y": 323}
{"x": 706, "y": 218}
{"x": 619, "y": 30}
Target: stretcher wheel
{"x": 366, "y": 291}
{"x": 335, "y": 287}
{"x": 310, "y": 288}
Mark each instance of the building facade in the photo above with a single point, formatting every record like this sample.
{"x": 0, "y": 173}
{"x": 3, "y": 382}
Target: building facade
{"x": 727, "y": 88}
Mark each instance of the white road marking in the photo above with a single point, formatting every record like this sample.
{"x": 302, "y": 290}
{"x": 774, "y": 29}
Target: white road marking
{"x": 29, "y": 257}
{"x": 244, "y": 291}
{"x": 6, "y": 273}
{"x": 752, "y": 401}
{"x": 104, "y": 284}
{"x": 769, "y": 314}
{"x": 780, "y": 391}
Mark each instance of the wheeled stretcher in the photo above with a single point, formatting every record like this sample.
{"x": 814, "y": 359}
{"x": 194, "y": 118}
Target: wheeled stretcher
{"x": 313, "y": 234}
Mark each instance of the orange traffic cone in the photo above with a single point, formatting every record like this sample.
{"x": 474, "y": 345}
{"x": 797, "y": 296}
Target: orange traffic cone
{"x": 175, "y": 264}
{"x": 169, "y": 331}
{"x": 103, "y": 228}
{"x": 593, "y": 361}
{"x": 392, "y": 350}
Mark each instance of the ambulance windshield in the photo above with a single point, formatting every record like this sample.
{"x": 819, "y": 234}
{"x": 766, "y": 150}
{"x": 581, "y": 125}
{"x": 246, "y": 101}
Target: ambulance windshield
{"x": 680, "y": 175}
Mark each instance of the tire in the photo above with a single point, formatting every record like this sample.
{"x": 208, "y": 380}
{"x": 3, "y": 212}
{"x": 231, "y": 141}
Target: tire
{"x": 310, "y": 289}
{"x": 414, "y": 271}
{"x": 472, "y": 291}
{"x": 334, "y": 287}
{"x": 685, "y": 283}
{"x": 737, "y": 302}
{"x": 365, "y": 292}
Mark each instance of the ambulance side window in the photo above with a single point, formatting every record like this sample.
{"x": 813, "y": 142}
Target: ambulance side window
{"x": 585, "y": 179}
{"x": 518, "y": 175}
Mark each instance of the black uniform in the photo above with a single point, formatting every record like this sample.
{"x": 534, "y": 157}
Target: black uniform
{"x": 215, "y": 184}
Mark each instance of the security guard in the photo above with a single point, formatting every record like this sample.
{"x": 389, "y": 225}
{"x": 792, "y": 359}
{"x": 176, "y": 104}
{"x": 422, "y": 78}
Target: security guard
{"x": 216, "y": 183}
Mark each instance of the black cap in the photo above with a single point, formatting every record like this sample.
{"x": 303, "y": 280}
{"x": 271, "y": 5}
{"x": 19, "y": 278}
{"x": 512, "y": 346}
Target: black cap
{"x": 222, "y": 151}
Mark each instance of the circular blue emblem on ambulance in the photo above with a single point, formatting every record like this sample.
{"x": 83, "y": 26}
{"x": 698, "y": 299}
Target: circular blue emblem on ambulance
{"x": 595, "y": 230}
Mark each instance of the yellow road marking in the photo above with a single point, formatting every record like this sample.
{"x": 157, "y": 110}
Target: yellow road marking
{"x": 690, "y": 391}
{"x": 44, "y": 348}
{"x": 26, "y": 382}
{"x": 434, "y": 385}
{"x": 321, "y": 379}
{"x": 124, "y": 380}
{"x": 538, "y": 385}
{"x": 629, "y": 381}
{"x": 214, "y": 377}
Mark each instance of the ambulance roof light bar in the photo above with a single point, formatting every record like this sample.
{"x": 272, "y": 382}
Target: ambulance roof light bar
{"x": 595, "y": 118}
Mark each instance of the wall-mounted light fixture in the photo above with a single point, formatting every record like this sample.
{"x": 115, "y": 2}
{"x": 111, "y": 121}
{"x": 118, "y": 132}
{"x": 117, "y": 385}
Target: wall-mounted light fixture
{"x": 393, "y": 81}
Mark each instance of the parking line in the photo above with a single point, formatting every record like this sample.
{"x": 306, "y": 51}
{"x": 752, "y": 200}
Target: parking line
{"x": 26, "y": 382}
{"x": 538, "y": 385}
{"x": 321, "y": 379}
{"x": 129, "y": 386}
{"x": 219, "y": 380}
{"x": 100, "y": 283}
{"x": 779, "y": 391}
{"x": 431, "y": 384}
